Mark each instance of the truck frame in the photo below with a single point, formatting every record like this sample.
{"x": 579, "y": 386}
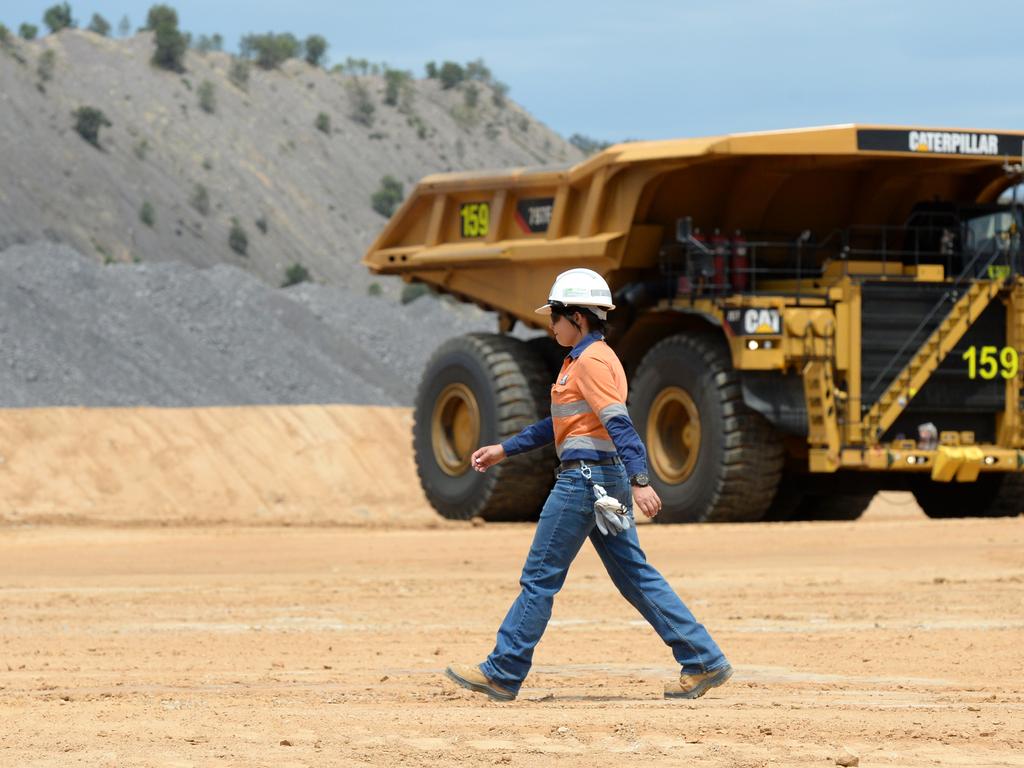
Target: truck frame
{"x": 805, "y": 316}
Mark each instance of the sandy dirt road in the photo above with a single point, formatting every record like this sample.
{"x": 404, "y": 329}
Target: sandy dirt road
{"x": 897, "y": 638}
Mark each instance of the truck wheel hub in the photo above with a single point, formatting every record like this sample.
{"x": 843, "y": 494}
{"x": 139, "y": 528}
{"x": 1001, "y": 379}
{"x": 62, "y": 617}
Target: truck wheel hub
{"x": 673, "y": 435}
{"x": 455, "y": 428}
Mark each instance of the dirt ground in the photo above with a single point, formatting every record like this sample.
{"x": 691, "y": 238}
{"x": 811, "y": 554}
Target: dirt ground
{"x": 267, "y": 586}
{"x": 897, "y": 639}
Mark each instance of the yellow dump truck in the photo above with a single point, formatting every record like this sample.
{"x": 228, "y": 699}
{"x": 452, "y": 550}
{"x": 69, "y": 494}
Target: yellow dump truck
{"x": 806, "y": 317}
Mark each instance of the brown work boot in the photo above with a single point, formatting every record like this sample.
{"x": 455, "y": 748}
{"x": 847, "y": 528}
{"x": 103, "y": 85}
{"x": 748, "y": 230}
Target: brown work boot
{"x": 695, "y": 686}
{"x": 469, "y": 676}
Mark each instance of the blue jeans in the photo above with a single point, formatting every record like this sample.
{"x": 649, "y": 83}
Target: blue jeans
{"x": 565, "y": 522}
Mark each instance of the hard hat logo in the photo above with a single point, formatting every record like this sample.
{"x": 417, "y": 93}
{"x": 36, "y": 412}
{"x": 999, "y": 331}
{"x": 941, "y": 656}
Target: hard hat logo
{"x": 581, "y": 288}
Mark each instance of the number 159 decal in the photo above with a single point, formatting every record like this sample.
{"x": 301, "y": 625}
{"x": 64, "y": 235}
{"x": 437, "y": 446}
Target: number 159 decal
{"x": 991, "y": 362}
{"x": 476, "y": 219}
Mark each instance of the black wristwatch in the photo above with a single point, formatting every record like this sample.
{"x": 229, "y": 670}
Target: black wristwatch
{"x": 640, "y": 479}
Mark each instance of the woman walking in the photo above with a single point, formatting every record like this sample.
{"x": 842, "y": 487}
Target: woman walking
{"x": 597, "y": 445}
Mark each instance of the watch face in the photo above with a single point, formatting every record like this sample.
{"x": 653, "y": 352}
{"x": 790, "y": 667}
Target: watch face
{"x": 641, "y": 479}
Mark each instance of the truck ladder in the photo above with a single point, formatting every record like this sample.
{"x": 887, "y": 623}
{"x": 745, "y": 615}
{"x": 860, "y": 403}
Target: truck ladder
{"x": 822, "y": 424}
{"x": 1009, "y": 433}
{"x": 929, "y": 356}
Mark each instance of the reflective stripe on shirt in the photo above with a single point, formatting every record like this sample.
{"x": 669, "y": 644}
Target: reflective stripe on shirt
{"x": 585, "y": 443}
{"x": 610, "y": 411}
{"x": 561, "y": 410}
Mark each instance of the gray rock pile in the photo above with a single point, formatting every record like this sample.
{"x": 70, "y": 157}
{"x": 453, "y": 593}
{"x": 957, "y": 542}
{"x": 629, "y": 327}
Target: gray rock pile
{"x": 73, "y": 332}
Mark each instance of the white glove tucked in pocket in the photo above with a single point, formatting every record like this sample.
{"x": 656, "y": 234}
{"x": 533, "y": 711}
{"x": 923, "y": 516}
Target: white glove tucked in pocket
{"x": 609, "y": 513}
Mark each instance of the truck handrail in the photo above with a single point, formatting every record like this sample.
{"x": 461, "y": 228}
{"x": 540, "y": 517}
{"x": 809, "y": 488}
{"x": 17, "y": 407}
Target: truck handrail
{"x": 950, "y": 295}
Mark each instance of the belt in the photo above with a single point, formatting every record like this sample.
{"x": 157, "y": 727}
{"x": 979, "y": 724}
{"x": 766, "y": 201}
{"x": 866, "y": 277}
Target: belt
{"x": 575, "y": 463}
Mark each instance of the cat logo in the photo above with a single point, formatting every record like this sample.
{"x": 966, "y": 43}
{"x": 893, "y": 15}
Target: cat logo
{"x": 954, "y": 143}
{"x": 754, "y": 322}
{"x": 969, "y": 143}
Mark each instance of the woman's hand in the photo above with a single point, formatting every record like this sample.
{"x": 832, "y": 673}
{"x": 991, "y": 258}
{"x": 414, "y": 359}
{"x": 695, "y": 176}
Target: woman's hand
{"x": 647, "y": 499}
{"x": 487, "y": 456}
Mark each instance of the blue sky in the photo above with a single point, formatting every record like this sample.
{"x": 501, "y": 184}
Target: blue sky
{"x": 661, "y": 69}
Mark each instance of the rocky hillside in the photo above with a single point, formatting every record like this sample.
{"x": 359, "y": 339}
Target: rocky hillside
{"x": 76, "y": 332}
{"x": 169, "y": 177}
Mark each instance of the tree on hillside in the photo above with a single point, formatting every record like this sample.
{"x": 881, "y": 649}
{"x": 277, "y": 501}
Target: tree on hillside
{"x": 160, "y": 14}
{"x": 170, "y": 43}
{"x": 316, "y": 48}
{"x": 396, "y": 83}
{"x": 386, "y": 199}
{"x": 270, "y": 50}
{"x": 207, "y": 43}
{"x": 588, "y": 145}
{"x": 124, "y": 27}
{"x": 413, "y": 291}
{"x": 147, "y": 214}
{"x": 238, "y": 240}
{"x": 200, "y": 199}
{"x": 88, "y": 121}
{"x": 352, "y": 66}
{"x": 451, "y": 74}
{"x": 99, "y": 25}
{"x": 295, "y": 274}
{"x": 431, "y": 69}
{"x": 499, "y": 94}
{"x": 58, "y": 17}
{"x": 45, "y": 65}
{"x": 238, "y": 73}
{"x": 361, "y": 102}
{"x": 477, "y": 70}
{"x": 28, "y": 31}
{"x": 207, "y": 97}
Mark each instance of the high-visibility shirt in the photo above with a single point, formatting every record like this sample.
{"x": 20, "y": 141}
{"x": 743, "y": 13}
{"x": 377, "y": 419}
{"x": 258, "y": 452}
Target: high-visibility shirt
{"x": 589, "y": 419}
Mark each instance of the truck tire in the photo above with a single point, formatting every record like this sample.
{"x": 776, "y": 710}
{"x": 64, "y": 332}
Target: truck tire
{"x": 833, "y": 506}
{"x": 1009, "y": 499}
{"x": 988, "y": 496}
{"x": 710, "y": 457}
{"x": 787, "y": 499}
{"x": 804, "y": 497}
{"x": 477, "y": 390}
{"x": 551, "y": 353}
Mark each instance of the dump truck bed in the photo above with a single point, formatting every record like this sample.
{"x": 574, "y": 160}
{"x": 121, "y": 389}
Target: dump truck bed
{"x": 461, "y": 232}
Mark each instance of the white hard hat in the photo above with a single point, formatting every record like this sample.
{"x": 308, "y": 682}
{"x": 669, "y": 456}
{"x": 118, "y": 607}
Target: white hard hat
{"x": 580, "y": 288}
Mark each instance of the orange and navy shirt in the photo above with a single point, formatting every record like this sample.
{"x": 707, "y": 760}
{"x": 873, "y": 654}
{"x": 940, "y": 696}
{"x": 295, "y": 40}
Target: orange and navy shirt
{"x": 589, "y": 419}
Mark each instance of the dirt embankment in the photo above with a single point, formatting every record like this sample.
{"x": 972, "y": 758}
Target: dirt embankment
{"x": 270, "y": 465}
{"x": 253, "y": 465}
